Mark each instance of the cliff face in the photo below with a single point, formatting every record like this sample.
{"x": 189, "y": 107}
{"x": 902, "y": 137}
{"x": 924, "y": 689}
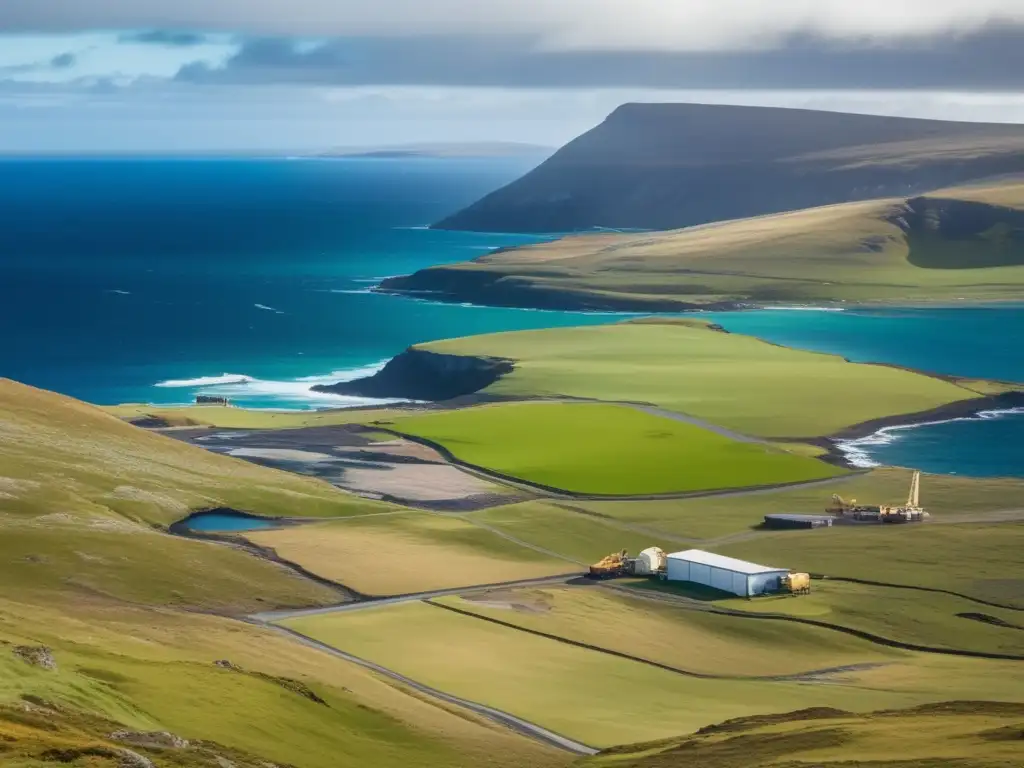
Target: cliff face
{"x": 664, "y": 166}
{"x": 417, "y": 374}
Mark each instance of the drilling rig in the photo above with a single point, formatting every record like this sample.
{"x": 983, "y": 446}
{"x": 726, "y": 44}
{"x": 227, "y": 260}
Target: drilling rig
{"x": 911, "y": 512}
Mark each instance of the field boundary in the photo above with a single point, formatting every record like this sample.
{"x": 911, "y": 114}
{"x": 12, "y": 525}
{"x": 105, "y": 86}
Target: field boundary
{"x": 795, "y": 678}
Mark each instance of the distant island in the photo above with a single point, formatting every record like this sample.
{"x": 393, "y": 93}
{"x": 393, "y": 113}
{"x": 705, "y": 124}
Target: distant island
{"x": 442, "y": 150}
{"x": 667, "y": 166}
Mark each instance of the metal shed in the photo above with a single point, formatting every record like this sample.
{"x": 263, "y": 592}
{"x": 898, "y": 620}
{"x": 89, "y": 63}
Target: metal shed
{"x": 725, "y": 573}
{"x": 785, "y": 521}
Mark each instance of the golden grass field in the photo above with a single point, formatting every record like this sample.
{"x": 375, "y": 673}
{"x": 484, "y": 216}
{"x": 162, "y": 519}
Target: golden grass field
{"x": 413, "y": 552}
{"x": 603, "y": 700}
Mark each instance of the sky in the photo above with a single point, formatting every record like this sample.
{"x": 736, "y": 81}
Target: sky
{"x": 306, "y": 75}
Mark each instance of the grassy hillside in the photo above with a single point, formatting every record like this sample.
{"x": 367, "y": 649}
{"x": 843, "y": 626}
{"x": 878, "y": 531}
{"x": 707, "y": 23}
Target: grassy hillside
{"x": 133, "y": 616}
{"x": 607, "y": 449}
{"x": 947, "y": 246}
{"x": 61, "y": 455}
{"x": 969, "y": 734}
{"x": 733, "y": 381}
{"x": 663, "y": 166}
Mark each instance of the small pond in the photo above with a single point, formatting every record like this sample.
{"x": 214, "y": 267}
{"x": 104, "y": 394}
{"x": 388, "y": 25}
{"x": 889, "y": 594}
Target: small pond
{"x": 227, "y": 522}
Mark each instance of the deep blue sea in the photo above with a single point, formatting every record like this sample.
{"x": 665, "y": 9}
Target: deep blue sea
{"x": 153, "y": 280}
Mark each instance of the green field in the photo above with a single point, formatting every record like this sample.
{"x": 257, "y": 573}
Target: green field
{"x": 590, "y": 696}
{"x": 695, "y": 641}
{"x": 407, "y": 553}
{"x": 604, "y": 700}
{"x": 580, "y": 537}
{"x": 981, "y": 561}
{"x": 946, "y": 497}
{"x": 734, "y": 381}
{"x": 949, "y": 246}
{"x": 607, "y": 449}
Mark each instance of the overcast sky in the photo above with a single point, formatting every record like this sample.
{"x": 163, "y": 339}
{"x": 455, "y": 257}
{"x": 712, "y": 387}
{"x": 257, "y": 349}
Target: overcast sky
{"x": 291, "y": 75}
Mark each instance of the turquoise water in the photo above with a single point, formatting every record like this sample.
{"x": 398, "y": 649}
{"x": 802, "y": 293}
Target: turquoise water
{"x": 214, "y": 522}
{"x": 156, "y": 280}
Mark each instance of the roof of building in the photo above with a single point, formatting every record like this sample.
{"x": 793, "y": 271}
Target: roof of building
{"x": 799, "y": 518}
{"x": 723, "y": 562}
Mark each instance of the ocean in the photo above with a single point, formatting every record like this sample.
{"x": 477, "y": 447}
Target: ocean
{"x": 154, "y": 280}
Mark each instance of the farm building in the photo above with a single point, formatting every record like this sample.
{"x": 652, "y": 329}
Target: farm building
{"x": 724, "y": 573}
{"x": 798, "y": 521}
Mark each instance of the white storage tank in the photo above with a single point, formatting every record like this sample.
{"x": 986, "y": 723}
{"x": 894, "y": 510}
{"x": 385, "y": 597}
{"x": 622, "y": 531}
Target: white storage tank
{"x": 723, "y": 573}
{"x": 649, "y": 562}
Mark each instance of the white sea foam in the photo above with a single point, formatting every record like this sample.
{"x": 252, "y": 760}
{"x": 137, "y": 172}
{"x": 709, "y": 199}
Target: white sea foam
{"x": 206, "y": 381}
{"x": 265, "y": 308}
{"x": 858, "y": 451}
{"x": 119, "y": 292}
{"x": 283, "y": 395}
{"x": 352, "y": 290}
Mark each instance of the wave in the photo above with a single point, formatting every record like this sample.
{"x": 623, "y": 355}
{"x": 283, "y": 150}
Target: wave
{"x": 352, "y": 291}
{"x": 858, "y": 451}
{"x": 206, "y": 381}
{"x": 284, "y": 395}
{"x": 265, "y": 308}
{"x": 118, "y": 291}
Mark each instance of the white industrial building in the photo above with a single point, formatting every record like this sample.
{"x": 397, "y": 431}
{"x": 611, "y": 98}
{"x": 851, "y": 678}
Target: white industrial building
{"x": 725, "y": 573}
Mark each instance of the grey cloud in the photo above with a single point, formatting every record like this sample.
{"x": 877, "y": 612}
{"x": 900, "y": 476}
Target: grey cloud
{"x": 60, "y": 62}
{"x": 167, "y": 37}
{"x": 990, "y": 59}
{"x": 667, "y": 25}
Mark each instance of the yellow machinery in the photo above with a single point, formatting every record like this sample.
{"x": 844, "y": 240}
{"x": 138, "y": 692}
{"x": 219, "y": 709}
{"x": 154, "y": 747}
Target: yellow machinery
{"x": 796, "y": 584}
{"x": 611, "y": 567}
{"x": 650, "y": 562}
{"x": 910, "y": 512}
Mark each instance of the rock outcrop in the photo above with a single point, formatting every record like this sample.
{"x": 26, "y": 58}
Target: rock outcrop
{"x": 37, "y": 656}
{"x": 665, "y": 166}
{"x": 417, "y": 374}
{"x": 150, "y": 739}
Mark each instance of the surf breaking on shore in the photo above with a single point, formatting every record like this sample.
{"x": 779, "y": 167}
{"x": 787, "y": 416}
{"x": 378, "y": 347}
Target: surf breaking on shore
{"x": 858, "y": 451}
{"x": 280, "y": 394}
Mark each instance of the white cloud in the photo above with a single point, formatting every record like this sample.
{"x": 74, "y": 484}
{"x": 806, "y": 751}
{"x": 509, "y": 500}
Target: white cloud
{"x": 666, "y": 25}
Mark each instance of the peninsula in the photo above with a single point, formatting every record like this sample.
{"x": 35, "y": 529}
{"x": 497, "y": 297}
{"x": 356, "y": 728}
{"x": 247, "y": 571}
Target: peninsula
{"x": 963, "y": 244}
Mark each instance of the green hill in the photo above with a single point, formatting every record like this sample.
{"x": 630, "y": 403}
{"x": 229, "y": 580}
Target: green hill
{"x": 963, "y": 244}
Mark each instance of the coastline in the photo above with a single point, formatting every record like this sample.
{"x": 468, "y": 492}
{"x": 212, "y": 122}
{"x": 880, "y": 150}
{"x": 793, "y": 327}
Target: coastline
{"x": 843, "y": 447}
